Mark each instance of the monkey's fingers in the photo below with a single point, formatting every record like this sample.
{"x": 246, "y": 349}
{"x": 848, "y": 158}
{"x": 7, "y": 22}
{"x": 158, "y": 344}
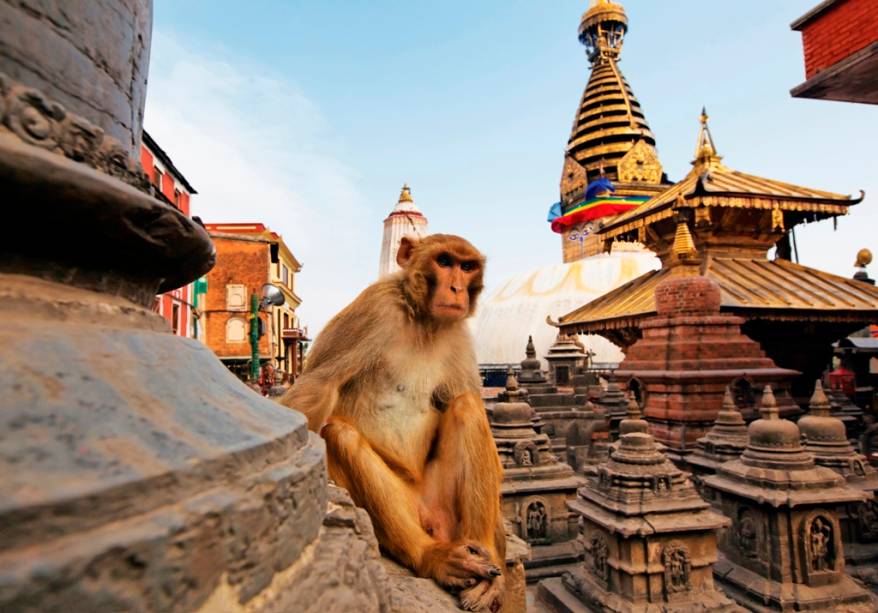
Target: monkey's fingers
{"x": 487, "y": 595}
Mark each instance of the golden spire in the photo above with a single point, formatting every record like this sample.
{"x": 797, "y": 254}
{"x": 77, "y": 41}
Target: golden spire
{"x": 406, "y": 194}
{"x": 683, "y": 244}
{"x": 705, "y": 150}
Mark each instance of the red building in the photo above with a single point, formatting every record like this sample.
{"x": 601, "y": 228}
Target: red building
{"x": 178, "y": 307}
{"x": 840, "y": 39}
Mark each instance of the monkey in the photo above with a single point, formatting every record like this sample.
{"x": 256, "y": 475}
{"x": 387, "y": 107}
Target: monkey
{"x": 392, "y": 386}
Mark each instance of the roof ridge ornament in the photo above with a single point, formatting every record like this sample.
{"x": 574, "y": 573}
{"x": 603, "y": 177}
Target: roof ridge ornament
{"x": 705, "y": 149}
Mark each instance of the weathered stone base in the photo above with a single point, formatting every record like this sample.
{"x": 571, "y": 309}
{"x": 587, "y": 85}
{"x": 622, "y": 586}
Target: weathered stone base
{"x": 764, "y": 595}
{"x": 556, "y": 597}
{"x": 861, "y": 562}
{"x": 553, "y": 560}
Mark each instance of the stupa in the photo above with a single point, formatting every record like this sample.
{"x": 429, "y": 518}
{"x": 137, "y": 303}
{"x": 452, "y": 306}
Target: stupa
{"x": 724, "y": 442}
{"x": 826, "y": 440}
{"x": 565, "y": 358}
{"x": 614, "y": 405}
{"x": 784, "y": 550}
{"x": 650, "y": 539}
{"x": 609, "y": 166}
{"x": 531, "y": 376}
{"x": 587, "y": 440}
{"x": 536, "y": 486}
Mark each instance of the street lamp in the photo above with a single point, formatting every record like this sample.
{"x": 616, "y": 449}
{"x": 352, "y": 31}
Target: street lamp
{"x": 271, "y": 296}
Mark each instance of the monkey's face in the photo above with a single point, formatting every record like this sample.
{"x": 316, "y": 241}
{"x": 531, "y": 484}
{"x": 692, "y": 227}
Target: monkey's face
{"x": 453, "y": 276}
{"x": 443, "y": 275}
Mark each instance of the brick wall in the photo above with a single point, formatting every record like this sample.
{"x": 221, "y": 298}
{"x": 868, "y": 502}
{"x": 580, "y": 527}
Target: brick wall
{"x": 843, "y": 29}
{"x": 238, "y": 262}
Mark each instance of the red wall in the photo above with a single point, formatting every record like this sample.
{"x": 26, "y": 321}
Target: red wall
{"x": 842, "y": 30}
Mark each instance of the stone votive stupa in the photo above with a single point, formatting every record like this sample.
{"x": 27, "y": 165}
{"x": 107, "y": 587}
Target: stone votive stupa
{"x": 650, "y": 539}
{"x": 531, "y": 376}
{"x": 784, "y": 550}
{"x": 614, "y": 406}
{"x": 587, "y": 440}
{"x": 536, "y": 487}
{"x": 826, "y": 440}
{"x": 725, "y": 441}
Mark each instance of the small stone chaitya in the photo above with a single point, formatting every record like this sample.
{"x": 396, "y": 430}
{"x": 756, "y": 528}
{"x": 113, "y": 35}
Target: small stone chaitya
{"x": 826, "y": 440}
{"x": 724, "y": 442}
{"x": 536, "y": 486}
{"x": 784, "y": 550}
{"x": 650, "y": 539}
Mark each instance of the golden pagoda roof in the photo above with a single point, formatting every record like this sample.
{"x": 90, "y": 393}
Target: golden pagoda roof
{"x": 711, "y": 183}
{"x": 609, "y": 120}
{"x": 756, "y": 287}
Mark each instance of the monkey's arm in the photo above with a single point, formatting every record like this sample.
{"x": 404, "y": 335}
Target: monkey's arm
{"x": 350, "y": 345}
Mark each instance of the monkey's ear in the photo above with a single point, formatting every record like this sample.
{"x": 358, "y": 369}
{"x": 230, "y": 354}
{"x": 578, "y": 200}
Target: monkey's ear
{"x": 406, "y": 248}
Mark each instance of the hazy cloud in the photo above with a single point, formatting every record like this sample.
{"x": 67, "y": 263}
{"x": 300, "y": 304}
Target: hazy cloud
{"x": 257, "y": 149}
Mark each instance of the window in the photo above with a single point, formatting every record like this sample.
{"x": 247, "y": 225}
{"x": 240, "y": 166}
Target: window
{"x": 236, "y": 330}
{"x": 177, "y": 198}
{"x": 236, "y": 297}
{"x": 175, "y": 318}
{"x": 158, "y": 179}
{"x": 284, "y": 274}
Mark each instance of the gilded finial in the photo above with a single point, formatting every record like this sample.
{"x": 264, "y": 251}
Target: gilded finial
{"x": 819, "y": 405}
{"x": 683, "y": 244}
{"x": 406, "y": 194}
{"x": 705, "y": 150}
{"x": 864, "y": 258}
{"x": 768, "y": 406}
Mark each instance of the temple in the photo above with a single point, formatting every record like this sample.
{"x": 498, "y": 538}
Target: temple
{"x": 721, "y": 223}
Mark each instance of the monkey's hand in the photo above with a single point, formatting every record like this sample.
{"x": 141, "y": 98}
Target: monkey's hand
{"x": 460, "y": 564}
{"x": 486, "y": 595}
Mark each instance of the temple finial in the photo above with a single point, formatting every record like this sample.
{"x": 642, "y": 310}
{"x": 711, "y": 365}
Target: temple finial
{"x": 705, "y": 150}
{"x": 405, "y": 195}
{"x": 819, "y": 404}
{"x": 511, "y": 381}
{"x": 683, "y": 244}
{"x": 768, "y": 407}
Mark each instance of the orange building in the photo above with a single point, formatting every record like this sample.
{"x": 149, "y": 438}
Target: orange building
{"x": 249, "y": 255}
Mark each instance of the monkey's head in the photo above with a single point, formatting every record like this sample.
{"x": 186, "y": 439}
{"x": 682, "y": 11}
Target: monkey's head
{"x": 442, "y": 276}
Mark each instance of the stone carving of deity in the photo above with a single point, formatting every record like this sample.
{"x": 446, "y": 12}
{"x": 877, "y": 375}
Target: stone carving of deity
{"x": 821, "y": 547}
{"x": 747, "y": 533}
{"x": 678, "y": 567}
{"x": 537, "y": 521}
{"x": 599, "y": 554}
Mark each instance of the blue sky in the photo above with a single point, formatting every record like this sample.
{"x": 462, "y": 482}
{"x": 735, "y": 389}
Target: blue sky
{"x": 309, "y": 116}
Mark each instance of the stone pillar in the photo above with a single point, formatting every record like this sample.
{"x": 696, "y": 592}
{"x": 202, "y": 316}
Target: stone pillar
{"x": 689, "y": 353}
{"x": 784, "y": 550}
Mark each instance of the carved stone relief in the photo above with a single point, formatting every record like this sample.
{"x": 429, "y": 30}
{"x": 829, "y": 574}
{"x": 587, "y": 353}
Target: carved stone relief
{"x": 678, "y": 567}
{"x": 537, "y": 521}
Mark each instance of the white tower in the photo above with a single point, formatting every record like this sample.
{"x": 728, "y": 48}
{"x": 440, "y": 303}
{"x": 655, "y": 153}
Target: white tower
{"x": 404, "y": 220}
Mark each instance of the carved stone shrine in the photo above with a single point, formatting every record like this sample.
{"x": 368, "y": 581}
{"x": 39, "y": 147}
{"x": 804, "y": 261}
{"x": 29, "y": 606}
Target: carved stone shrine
{"x": 650, "y": 539}
{"x": 784, "y": 550}
{"x": 536, "y": 486}
{"x": 614, "y": 405}
{"x": 587, "y": 440}
{"x": 725, "y": 441}
{"x": 826, "y": 440}
{"x": 566, "y": 357}
{"x": 531, "y": 376}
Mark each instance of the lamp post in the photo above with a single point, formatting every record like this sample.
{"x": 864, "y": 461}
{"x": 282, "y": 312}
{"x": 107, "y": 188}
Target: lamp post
{"x": 271, "y": 296}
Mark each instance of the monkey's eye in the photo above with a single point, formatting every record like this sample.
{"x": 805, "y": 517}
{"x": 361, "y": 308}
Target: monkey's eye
{"x": 468, "y": 266}
{"x": 444, "y": 260}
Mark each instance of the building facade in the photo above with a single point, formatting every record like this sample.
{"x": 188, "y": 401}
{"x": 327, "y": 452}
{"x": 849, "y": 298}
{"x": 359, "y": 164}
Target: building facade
{"x": 179, "y": 306}
{"x": 249, "y": 255}
{"x": 840, "y": 41}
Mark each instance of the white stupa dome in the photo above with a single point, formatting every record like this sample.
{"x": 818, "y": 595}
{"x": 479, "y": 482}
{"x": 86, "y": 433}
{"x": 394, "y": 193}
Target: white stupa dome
{"x": 519, "y": 306}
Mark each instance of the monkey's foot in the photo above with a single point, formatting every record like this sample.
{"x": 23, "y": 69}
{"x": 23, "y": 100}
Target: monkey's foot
{"x": 486, "y": 595}
{"x": 458, "y": 565}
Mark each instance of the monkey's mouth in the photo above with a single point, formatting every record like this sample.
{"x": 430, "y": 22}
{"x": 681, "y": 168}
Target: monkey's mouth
{"x": 451, "y": 307}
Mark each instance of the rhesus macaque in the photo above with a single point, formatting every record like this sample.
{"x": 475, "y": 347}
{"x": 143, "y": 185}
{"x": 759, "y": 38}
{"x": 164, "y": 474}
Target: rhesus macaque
{"x": 393, "y": 387}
